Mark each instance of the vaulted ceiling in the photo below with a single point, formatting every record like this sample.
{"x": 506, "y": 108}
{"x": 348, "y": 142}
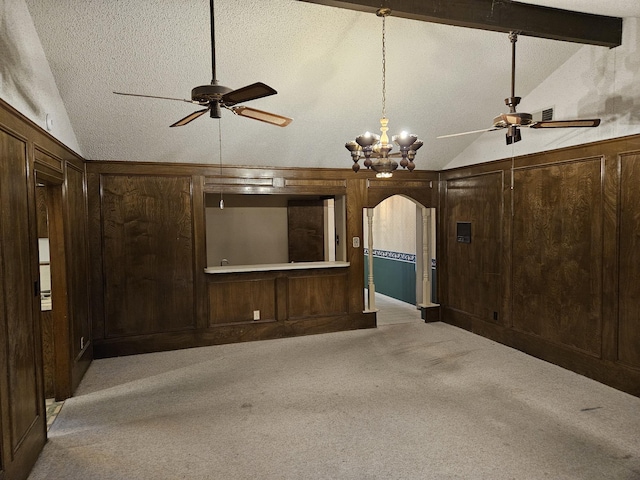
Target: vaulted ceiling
{"x": 325, "y": 63}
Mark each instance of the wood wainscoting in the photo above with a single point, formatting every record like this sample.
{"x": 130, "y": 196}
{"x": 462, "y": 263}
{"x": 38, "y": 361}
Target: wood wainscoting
{"x": 553, "y": 262}
{"x": 147, "y": 240}
{"x": 288, "y": 303}
{"x": 277, "y": 295}
{"x": 29, "y": 155}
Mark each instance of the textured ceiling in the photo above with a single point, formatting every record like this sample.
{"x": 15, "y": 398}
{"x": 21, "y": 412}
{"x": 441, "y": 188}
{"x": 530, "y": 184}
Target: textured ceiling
{"x": 324, "y": 62}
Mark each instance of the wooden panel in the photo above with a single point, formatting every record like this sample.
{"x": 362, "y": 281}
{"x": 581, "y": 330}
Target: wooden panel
{"x": 242, "y": 332}
{"x": 78, "y": 275}
{"x": 46, "y": 160}
{"x": 503, "y": 16}
{"x": 398, "y": 184}
{"x": 99, "y": 238}
{"x": 148, "y": 254}
{"x": 41, "y": 212}
{"x": 22, "y": 154}
{"x": 357, "y": 191}
{"x": 268, "y": 182}
{"x": 295, "y": 182}
{"x": 61, "y": 331}
{"x": 305, "y": 219}
{"x": 22, "y": 420}
{"x": 610, "y": 260}
{"x": 321, "y": 294}
{"x": 423, "y": 191}
{"x": 629, "y": 294}
{"x": 557, "y": 253}
{"x": 48, "y": 354}
{"x": 235, "y": 302}
{"x": 77, "y": 258}
{"x": 474, "y": 269}
{"x": 96, "y": 270}
{"x": 199, "y": 250}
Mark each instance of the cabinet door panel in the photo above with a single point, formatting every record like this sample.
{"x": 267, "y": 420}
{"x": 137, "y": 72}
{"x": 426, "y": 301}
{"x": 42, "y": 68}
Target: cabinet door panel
{"x": 306, "y": 230}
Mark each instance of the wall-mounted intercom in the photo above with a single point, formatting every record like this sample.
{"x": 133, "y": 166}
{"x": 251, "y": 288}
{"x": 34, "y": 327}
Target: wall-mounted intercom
{"x": 463, "y": 232}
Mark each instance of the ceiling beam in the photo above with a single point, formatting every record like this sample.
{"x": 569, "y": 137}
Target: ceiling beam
{"x": 500, "y": 16}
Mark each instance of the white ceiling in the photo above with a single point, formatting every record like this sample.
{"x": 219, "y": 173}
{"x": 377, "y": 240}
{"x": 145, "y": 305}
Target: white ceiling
{"x": 324, "y": 62}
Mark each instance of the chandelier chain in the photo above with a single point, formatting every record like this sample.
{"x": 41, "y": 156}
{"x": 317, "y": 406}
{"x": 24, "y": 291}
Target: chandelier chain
{"x": 384, "y": 68}
{"x": 376, "y": 148}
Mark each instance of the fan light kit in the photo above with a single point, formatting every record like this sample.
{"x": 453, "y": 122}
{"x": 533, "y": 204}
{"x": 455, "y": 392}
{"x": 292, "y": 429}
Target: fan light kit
{"x": 215, "y": 97}
{"x": 376, "y": 149}
{"x": 513, "y": 120}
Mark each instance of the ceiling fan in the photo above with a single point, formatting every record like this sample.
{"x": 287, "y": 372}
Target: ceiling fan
{"x": 215, "y": 97}
{"x": 513, "y": 120}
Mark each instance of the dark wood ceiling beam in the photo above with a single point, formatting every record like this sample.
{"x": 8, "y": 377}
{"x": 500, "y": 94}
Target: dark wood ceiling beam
{"x": 500, "y": 16}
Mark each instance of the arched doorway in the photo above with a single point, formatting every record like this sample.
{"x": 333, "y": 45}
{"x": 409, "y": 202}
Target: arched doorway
{"x": 399, "y": 241}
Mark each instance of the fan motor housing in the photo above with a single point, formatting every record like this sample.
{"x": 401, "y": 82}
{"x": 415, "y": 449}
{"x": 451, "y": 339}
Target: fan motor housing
{"x": 515, "y": 118}
{"x": 208, "y": 93}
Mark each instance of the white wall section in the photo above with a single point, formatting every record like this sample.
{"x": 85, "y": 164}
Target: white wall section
{"x": 26, "y": 81}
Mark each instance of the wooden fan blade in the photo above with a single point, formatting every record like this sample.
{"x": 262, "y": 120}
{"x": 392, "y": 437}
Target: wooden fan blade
{"x": 153, "y": 96}
{"x": 189, "y": 118}
{"x": 591, "y": 122}
{"x": 263, "y": 116}
{"x": 244, "y": 94}
{"x": 468, "y": 133}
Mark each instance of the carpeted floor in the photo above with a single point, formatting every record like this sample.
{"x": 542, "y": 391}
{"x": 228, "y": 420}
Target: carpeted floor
{"x": 403, "y": 401}
{"x": 53, "y": 409}
{"x": 392, "y": 311}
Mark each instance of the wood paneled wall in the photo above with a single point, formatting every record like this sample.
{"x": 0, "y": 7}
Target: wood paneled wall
{"x": 77, "y": 255}
{"x": 26, "y": 151}
{"x": 149, "y": 246}
{"x": 553, "y": 264}
{"x": 557, "y": 253}
{"x": 628, "y": 335}
{"x": 149, "y": 289}
{"x": 476, "y": 266}
{"x": 21, "y": 407}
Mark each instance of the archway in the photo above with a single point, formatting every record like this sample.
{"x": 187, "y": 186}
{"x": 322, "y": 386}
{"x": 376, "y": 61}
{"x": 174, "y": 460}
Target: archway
{"x": 399, "y": 241}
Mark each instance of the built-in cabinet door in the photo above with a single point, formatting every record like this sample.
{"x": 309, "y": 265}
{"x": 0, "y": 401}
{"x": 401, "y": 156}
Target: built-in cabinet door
{"x": 22, "y": 418}
{"x": 306, "y": 230}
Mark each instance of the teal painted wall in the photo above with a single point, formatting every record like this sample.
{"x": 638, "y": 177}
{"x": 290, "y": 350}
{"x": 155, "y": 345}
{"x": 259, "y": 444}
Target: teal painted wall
{"x": 392, "y": 277}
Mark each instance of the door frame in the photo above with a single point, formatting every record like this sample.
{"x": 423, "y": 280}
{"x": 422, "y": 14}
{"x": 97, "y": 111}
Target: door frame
{"x": 54, "y": 184}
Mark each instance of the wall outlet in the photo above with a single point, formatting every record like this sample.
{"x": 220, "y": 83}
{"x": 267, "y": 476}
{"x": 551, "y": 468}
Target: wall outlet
{"x": 256, "y": 314}
{"x": 356, "y": 242}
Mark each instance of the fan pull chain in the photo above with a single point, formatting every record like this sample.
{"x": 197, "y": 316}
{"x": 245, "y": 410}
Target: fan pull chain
{"x": 220, "y": 146}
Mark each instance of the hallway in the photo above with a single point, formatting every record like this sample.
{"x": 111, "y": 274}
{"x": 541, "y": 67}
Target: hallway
{"x": 394, "y": 312}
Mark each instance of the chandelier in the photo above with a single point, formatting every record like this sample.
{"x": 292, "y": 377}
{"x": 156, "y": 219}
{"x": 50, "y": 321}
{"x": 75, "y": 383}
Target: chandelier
{"x": 376, "y": 149}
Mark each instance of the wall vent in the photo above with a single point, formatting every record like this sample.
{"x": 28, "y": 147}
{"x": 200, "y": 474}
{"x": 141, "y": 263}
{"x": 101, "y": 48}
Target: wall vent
{"x": 545, "y": 115}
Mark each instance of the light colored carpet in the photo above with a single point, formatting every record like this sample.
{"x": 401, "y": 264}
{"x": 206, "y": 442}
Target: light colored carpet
{"x": 392, "y": 311}
{"x": 405, "y": 401}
